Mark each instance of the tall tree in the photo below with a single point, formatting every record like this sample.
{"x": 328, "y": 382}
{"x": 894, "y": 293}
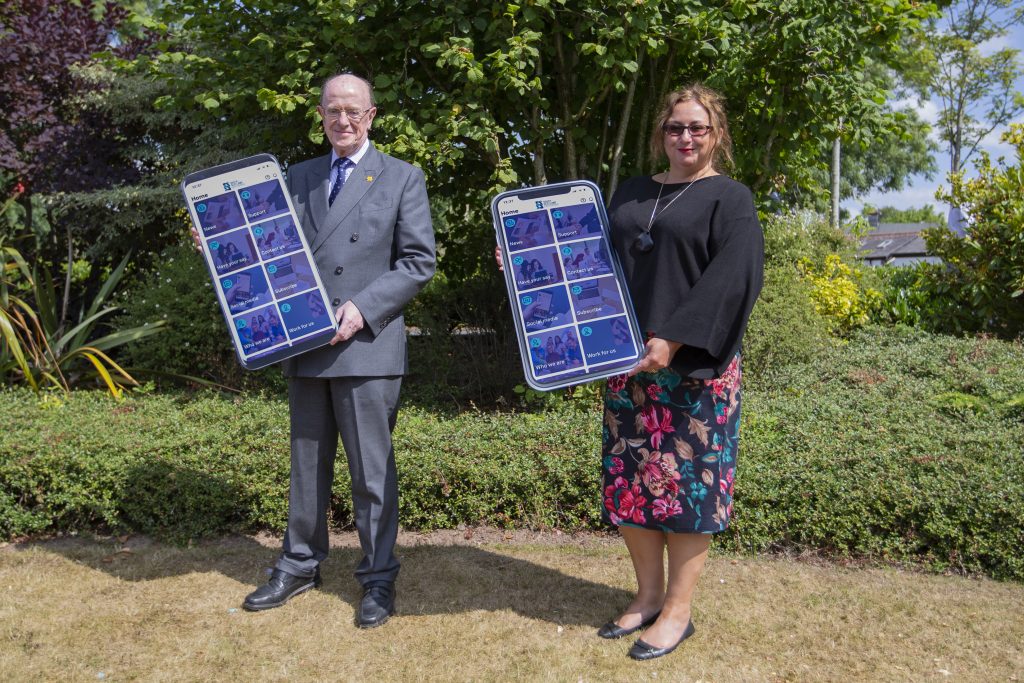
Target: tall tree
{"x": 976, "y": 90}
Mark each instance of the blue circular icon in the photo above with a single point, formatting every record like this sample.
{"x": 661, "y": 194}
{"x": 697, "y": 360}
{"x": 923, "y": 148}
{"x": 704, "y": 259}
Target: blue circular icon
{"x": 510, "y": 222}
{"x": 527, "y": 300}
{"x": 535, "y": 342}
{"x": 577, "y": 290}
{"x": 245, "y": 194}
{"x": 200, "y": 208}
{"x": 557, "y": 214}
{"x": 227, "y": 284}
{"x": 258, "y": 232}
{"x": 240, "y": 323}
{"x": 517, "y": 261}
{"x": 285, "y": 308}
{"x": 214, "y": 245}
{"x": 271, "y": 269}
{"x": 566, "y": 251}
{"x": 586, "y": 331}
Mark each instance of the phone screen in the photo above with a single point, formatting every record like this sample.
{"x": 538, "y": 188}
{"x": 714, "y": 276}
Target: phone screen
{"x": 575, "y": 319}
{"x": 264, "y": 274}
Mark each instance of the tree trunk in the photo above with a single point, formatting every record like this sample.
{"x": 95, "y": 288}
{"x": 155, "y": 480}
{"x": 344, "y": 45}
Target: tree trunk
{"x": 603, "y": 148}
{"x": 666, "y": 81}
{"x": 540, "y": 174}
{"x": 645, "y": 117}
{"x": 571, "y": 169}
{"x": 620, "y": 138}
{"x": 836, "y": 146}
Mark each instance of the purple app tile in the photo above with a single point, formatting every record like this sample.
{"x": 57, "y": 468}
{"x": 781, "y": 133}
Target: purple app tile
{"x": 263, "y": 200}
{"x": 528, "y": 230}
{"x": 219, "y": 214}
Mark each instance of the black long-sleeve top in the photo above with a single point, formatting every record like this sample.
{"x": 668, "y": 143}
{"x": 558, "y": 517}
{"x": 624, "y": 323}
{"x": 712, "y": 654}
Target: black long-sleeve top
{"x": 698, "y": 284}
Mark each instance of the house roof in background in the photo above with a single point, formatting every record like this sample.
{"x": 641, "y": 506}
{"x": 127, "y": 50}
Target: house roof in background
{"x": 891, "y": 240}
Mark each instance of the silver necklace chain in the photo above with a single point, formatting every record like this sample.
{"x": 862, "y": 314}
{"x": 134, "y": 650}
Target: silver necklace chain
{"x": 655, "y": 213}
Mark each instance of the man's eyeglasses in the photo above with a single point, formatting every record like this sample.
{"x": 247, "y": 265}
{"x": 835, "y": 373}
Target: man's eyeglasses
{"x": 353, "y": 115}
{"x": 697, "y": 130}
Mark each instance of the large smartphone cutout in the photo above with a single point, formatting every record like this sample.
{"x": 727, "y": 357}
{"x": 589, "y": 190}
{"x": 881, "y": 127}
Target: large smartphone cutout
{"x": 574, "y": 318}
{"x": 269, "y": 289}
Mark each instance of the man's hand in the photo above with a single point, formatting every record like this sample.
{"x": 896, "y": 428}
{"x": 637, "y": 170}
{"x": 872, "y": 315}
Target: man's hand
{"x": 350, "y": 321}
{"x": 658, "y": 355}
{"x": 497, "y": 257}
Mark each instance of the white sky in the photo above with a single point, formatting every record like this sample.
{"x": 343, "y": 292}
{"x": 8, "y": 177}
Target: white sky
{"x": 921, "y": 191}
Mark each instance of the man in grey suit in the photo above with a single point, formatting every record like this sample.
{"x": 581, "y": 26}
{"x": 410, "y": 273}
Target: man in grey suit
{"x": 367, "y": 220}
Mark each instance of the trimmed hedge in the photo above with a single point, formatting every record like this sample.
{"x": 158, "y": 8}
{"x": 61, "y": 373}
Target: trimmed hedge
{"x": 900, "y": 446}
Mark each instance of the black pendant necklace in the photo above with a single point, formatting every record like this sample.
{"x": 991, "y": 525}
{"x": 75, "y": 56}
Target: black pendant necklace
{"x": 644, "y": 242}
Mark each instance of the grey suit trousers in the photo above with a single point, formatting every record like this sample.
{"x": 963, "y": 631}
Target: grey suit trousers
{"x": 363, "y": 411}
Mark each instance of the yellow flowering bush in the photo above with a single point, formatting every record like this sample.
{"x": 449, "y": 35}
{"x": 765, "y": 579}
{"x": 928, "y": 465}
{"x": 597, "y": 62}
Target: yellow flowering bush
{"x": 839, "y": 292}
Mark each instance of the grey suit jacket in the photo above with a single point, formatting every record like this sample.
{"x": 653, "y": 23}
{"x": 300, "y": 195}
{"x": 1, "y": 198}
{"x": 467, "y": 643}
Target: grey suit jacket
{"x": 375, "y": 246}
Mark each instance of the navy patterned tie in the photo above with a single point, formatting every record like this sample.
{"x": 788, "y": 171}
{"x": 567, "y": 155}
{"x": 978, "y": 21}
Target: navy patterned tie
{"x": 339, "y": 177}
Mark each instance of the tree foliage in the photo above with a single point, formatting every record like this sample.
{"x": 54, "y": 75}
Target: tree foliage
{"x": 485, "y": 96}
{"x": 912, "y": 214}
{"x": 980, "y": 285}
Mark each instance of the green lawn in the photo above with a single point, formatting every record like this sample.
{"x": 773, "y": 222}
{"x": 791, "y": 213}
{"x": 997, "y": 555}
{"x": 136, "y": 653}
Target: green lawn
{"x": 495, "y": 606}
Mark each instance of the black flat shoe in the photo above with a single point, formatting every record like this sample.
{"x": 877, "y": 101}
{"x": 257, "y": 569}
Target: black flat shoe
{"x": 611, "y": 630}
{"x": 281, "y": 588}
{"x": 642, "y": 650}
{"x": 377, "y": 605}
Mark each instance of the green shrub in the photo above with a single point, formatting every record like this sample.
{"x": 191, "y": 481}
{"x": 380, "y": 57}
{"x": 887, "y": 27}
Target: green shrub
{"x": 790, "y": 238}
{"x": 980, "y": 284}
{"x": 196, "y": 341}
{"x": 901, "y": 301}
{"x": 784, "y": 326}
{"x": 900, "y": 445}
{"x": 839, "y": 287}
{"x": 464, "y": 351}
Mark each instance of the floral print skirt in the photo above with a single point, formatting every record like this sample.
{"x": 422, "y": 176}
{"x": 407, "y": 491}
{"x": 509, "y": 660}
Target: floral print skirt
{"x": 670, "y": 445}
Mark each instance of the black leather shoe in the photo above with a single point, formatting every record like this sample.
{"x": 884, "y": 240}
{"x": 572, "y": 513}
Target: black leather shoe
{"x": 281, "y": 588}
{"x": 642, "y": 650}
{"x": 611, "y": 630}
{"x": 377, "y": 605}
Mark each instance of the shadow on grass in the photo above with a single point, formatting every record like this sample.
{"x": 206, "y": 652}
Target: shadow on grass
{"x": 435, "y": 579}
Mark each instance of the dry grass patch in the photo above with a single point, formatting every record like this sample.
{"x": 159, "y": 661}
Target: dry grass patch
{"x": 485, "y": 608}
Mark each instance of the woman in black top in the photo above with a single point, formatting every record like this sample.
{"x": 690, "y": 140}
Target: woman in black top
{"x": 693, "y": 254}
{"x": 692, "y": 250}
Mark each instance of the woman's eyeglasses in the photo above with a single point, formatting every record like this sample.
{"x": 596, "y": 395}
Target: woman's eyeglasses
{"x": 697, "y": 130}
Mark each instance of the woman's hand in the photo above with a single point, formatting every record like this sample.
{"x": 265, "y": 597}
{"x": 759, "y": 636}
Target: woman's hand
{"x": 658, "y": 355}
{"x": 497, "y": 257}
